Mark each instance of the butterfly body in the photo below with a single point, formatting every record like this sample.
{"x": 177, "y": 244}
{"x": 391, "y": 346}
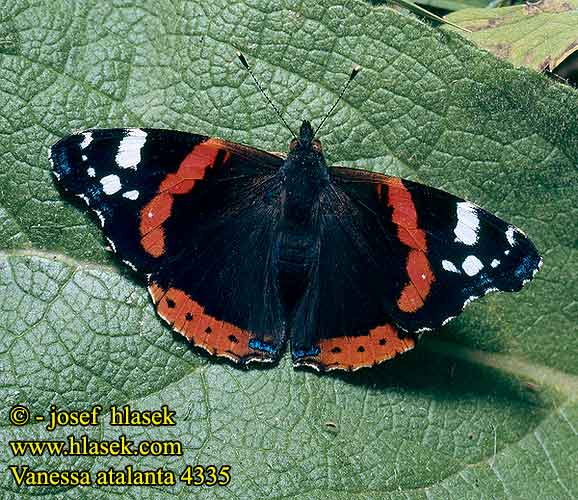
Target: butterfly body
{"x": 303, "y": 176}
{"x": 243, "y": 249}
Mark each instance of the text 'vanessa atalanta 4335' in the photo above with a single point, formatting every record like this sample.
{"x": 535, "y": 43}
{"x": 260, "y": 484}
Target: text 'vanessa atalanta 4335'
{"x": 244, "y": 248}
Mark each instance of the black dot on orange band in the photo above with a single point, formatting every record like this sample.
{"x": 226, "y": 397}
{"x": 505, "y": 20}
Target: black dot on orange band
{"x": 382, "y": 341}
{"x": 188, "y": 316}
{"x": 171, "y": 303}
{"x": 336, "y": 350}
{"x": 233, "y": 339}
{"x": 208, "y": 329}
{"x": 361, "y": 349}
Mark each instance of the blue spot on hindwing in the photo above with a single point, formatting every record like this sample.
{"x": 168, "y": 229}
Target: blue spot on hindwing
{"x": 261, "y": 346}
{"x": 314, "y": 351}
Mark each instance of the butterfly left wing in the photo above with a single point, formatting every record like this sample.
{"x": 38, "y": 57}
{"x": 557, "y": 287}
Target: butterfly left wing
{"x": 197, "y": 216}
{"x": 397, "y": 258}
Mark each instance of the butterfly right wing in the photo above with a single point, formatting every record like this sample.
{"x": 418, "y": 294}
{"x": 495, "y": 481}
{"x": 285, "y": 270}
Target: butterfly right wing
{"x": 396, "y": 258}
{"x": 455, "y": 251}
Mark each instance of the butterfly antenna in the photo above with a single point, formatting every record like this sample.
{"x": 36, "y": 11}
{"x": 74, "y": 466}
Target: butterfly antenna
{"x": 356, "y": 69}
{"x": 246, "y": 64}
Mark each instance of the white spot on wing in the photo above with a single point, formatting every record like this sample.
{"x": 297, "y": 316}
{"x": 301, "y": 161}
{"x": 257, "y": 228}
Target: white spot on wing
{"x": 110, "y": 184}
{"x": 112, "y": 245}
{"x": 131, "y": 195}
{"x": 87, "y": 140}
{"x": 510, "y": 236}
{"x": 84, "y": 157}
{"x": 469, "y": 300}
{"x": 90, "y": 171}
{"x": 472, "y": 265}
{"x": 449, "y": 266}
{"x": 495, "y": 263}
{"x": 101, "y": 218}
{"x": 130, "y": 264}
{"x": 447, "y": 320}
{"x": 466, "y": 229}
{"x": 128, "y": 155}
{"x": 507, "y": 252}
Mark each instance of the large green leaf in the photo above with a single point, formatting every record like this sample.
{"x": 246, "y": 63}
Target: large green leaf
{"x": 485, "y": 408}
{"x": 540, "y": 35}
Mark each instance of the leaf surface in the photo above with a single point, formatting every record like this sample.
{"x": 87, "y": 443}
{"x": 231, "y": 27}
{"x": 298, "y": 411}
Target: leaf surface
{"x": 484, "y": 408}
{"x": 538, "y": 35}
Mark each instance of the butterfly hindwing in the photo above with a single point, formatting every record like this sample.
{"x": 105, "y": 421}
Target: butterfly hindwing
{"x": 177, "y": 206}
{"x": 342, "y": 320}
{"x": 221, "y": 289}
{"x": 400, "y": 256}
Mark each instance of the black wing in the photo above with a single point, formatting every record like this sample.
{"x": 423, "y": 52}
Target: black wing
{"x": 178, "y": 207}
{"x": 396, "y": 256}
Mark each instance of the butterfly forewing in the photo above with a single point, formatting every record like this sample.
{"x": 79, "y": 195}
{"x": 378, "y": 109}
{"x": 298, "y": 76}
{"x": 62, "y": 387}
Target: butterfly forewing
{"x": 455, "y": 251}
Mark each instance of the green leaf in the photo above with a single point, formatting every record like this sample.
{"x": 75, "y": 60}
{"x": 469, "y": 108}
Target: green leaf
{"x": 447, "y": 5}
{"x": 484, "y": 408}
{"x": 538, "y": 35}
{"x": 452, "y": 5}
{"x": 420, "y": 11}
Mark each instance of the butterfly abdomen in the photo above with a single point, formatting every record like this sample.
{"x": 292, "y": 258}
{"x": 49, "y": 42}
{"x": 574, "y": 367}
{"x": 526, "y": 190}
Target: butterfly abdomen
{"x": 295, "y": 255}
{"x": 303, "y": 178}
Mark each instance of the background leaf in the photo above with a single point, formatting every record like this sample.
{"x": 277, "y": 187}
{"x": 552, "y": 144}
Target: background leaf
{"x": 539, "y": 35}
{"x": 484, "y": 408}
{"x": 452, "y": 5}
{"x": 444, "y": 5}
{"x": 419, "y": 11}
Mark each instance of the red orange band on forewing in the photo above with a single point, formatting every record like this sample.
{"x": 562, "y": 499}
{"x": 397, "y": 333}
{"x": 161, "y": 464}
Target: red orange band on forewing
{"x": 154, "y": 214}
{"x": 190, "y": 319}
{"x": 349, "y": 353}
{"x": 414, "y": 293}
{"x": 404, "y": 216}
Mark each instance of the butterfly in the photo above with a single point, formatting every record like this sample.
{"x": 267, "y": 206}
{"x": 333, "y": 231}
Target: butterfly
{"x": 243, "y": 249}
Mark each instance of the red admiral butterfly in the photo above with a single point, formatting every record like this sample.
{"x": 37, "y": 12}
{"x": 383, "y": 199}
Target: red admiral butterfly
{"x": 243, "y": 248}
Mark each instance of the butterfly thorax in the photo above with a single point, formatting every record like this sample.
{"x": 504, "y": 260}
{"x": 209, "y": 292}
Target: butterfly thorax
{"x": 304, "y": 175}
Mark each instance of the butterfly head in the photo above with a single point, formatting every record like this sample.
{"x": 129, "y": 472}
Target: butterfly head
{"x": 306, "y": 143}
